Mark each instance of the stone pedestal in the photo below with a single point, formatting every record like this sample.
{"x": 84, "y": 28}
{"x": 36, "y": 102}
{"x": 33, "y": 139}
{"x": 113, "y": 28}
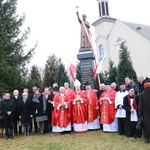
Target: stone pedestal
{"x": 86, "y": 58}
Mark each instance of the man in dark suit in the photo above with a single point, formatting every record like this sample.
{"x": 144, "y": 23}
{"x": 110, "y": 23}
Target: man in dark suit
{"x": 35, "y": 123}
{"x": 48, "y": 96}
{"x": 8, "y": 108}
{"x": 16, "y": 99}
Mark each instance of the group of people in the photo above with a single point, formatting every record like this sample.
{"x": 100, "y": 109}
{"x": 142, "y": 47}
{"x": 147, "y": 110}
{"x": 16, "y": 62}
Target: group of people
{"x": 62, "y": 109}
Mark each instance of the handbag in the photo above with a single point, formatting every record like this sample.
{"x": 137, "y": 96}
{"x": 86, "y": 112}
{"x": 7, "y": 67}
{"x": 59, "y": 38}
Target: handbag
{"x": 139, "y": 125}
{"x": 19, "y": 123}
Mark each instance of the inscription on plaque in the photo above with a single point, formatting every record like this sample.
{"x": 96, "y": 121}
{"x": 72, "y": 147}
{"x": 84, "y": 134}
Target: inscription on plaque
{"x": 86, "y": 58}
{"x": 86, "y": 72}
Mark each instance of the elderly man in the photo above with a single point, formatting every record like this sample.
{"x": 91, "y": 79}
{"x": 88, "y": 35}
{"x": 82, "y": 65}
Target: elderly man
{"x": 107, "y": 109}
{"x": 101, "y": 90}
{"x": 61, "y": 120}
{"x": 8, "y": 108}
{"x": 48, "y": 97}
{"x": 93, "y": 115}
{"x": 79, "y": 109}
{"x": 141, "y": 82}
{"x": 17, "y": 98}
{"x": 68, "y": 90}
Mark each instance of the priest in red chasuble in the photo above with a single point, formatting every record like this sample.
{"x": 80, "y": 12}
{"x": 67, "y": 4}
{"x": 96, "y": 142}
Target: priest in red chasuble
{"x": 79, "y": 109}
{"x": 93, "y": 115}
{"x": 61, "y": 121}
{"x": 68, "y": 90}
{"x": 107, "y": 109}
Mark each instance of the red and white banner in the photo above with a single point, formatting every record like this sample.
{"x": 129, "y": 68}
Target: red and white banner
{"x": 72, "y": 70}
{"x": 100, "y": 65}
{"x": 86, "y": 33}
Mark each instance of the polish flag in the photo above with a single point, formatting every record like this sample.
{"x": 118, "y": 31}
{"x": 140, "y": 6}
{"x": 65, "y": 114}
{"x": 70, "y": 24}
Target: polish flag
{"x": 100, "y": 65}
{"x": 94, "y": 71}
{"x": 72, "y": 70}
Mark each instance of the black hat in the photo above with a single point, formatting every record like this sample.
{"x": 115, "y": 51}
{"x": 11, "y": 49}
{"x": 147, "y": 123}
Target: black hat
{"x": 87, "y": 83}
{"x": 55, "y": 89}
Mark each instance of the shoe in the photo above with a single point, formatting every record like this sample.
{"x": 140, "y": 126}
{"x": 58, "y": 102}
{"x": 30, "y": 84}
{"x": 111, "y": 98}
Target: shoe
{"x": 27, "y": 134}
{"x": 11, "y": 137}
{"x": 147, "y": 140}
{"x": 7, "y": 137}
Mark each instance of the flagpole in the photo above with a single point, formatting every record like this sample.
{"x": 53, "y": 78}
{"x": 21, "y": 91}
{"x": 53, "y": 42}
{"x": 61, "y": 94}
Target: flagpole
{"x": 99, "y": 81}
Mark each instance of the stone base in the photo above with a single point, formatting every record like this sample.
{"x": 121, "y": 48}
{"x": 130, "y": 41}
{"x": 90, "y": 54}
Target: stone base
{"x": 86, "y": 58}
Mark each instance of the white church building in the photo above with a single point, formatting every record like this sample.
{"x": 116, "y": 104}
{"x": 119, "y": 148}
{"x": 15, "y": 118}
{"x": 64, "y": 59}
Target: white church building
{"x": 110, "y": 32}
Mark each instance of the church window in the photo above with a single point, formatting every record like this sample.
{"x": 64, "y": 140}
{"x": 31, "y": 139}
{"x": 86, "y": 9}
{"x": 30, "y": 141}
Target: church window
{"x": 119, "y": 40}
{"x": 103, "y": 8}
{"x": 101, "y": 51}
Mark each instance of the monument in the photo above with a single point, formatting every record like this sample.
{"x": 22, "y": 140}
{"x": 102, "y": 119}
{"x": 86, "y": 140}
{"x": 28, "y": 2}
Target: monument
{"x": 86, "y": 55}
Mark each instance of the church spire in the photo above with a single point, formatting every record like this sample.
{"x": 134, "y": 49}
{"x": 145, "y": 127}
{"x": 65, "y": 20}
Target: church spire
{"x": 103, "y": 8}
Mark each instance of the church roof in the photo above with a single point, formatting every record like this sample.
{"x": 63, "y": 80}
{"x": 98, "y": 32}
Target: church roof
{"x": 143, "y": 30}
{"x": 106, "y": 19}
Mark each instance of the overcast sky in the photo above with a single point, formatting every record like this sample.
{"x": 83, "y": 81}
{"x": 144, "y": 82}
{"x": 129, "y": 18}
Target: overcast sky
{"x": 55, "y": 26}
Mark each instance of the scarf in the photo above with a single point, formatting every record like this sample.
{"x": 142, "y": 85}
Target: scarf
{"x": 35, "y": 98}
{"x": 134, "y": 102}
{"x": 44, "y": 103}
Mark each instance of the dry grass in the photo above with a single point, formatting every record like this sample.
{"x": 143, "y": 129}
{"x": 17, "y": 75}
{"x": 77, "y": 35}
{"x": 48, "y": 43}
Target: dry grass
{"x": 91, "y": 140}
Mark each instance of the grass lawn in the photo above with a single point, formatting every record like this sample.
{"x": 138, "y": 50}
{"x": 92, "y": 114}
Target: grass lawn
{"x": 91, "y": 140}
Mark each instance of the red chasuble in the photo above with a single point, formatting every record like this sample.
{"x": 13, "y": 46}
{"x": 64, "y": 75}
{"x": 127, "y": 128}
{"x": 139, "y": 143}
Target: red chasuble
{"x": 69, "y": 92}
{"x": 61, "y": 117}
{"x": 107, "y": 110}
{"x": 79, "y": 109}
{"x": 92, "y": 105}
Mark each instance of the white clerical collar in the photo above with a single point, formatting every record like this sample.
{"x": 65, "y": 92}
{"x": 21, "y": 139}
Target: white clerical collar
{"x": 62, "y": 95}
{"x": 89, "y": 91}
{"x": 16, "y": 97}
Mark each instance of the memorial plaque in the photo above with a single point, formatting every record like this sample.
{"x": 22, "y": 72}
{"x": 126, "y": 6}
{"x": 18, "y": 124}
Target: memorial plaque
{"x": 86, "y": 58}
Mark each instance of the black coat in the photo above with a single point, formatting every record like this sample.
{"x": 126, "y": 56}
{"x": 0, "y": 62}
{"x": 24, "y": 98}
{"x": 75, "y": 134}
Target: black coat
{"x": 144, "y": 111}
{"x": 141, "y": 86}
{"x": 25, "y": 111}
{"x": 8, "y": 105}
{"x": 38, "y": 107}
{"x": 130, "y": 127}
{"x": 16, "y": 100}
{"x": 99, "y": 93}
{"x": 49, "y": 106}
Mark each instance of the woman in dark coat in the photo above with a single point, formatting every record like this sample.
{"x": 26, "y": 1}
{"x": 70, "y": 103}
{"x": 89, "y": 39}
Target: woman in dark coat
{"x": 130, "y": 105}
{"x": 144, "y": 111}
{"x": 39, "y": 108}
{"x": 25, "y": 113}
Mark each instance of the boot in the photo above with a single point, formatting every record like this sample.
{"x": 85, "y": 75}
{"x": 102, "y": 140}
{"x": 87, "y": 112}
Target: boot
{"x": 25, "y": 130}
{"x": 28, "y": 130}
